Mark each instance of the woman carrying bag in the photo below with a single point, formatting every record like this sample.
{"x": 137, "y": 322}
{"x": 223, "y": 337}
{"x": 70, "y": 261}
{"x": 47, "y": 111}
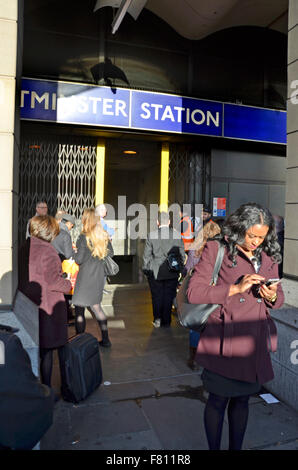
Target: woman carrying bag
{"x": 234, "y": 347}
{"x": 93, "y": 247}
{"x": 41, "y": 281}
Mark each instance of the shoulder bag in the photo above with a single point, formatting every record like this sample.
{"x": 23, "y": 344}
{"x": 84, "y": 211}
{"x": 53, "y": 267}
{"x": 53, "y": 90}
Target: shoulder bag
{"x": 111, "y": 268}
{"x": 195, "y": 316}
{"x": 174, "y": 262}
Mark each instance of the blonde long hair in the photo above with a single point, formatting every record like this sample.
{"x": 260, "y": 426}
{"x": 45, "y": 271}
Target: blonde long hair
{"x": 97, "y": 238}
{"x": 209, "y": 231}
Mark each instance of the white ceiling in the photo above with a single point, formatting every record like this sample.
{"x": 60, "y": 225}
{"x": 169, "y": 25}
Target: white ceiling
{"x": 195, "y": 19}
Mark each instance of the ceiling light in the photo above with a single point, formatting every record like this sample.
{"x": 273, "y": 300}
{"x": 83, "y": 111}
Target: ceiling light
{"x": 130, "y": 152}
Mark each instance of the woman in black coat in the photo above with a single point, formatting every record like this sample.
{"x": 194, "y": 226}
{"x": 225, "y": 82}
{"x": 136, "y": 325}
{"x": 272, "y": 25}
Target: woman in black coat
{"x": 93, "y": 246}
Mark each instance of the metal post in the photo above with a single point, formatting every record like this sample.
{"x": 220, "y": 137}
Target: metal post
{"x": 100, "y": 171}
{"x": 164, "y": 177}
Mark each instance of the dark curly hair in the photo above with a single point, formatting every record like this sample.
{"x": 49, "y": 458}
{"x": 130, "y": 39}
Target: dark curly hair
{"x": 234, "y": 230}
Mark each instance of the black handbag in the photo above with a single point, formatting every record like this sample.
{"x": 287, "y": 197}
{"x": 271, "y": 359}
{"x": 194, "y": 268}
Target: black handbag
{"x": 111, "y": 268}
{"x": 195, "y": 316}
{"x": 174, "y": 263}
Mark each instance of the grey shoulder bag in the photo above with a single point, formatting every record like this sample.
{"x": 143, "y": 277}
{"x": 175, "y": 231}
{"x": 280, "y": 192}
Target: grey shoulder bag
{"x": 111, "y": 268}
{"x": 195, "y": 316}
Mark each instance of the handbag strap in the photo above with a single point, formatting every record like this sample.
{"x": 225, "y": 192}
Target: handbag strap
{"x": 218, "y": 263}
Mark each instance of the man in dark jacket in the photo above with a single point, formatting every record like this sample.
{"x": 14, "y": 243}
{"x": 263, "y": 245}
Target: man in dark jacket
{"x": 26, "y": 405}
{"x": 62, "y": 243}
{"x": 41, "y": 209}
{"x": 162, "y": 281}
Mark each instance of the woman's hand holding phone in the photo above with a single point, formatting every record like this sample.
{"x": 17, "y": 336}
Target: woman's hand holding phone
{"x": 268, "y": 290}
{"x": 246, "y": 283}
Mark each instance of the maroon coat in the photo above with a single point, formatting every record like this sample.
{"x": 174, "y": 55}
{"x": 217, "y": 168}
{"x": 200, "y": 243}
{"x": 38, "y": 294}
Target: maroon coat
{"x": 240, "y": 333}
{"x": 46, "y": 287}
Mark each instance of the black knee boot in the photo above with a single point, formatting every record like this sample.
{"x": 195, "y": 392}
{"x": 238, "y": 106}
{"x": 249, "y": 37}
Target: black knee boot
{"x": 105, "y": 341}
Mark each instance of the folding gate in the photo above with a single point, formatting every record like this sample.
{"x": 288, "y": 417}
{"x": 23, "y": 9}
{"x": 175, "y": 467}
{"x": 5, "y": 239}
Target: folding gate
{"x": 189, "y": 175}
{"x": 60, "y": 170}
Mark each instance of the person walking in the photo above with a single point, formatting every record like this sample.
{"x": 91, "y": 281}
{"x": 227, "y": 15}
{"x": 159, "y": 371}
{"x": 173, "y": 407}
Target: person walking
{"x": 162, "y": 281}
{"x": 187, "y": 230}
{"x": 64, "y": 247}
{"x": 93, "y": 246}
{"x": 41, "y": 281}
{"x": 234, "y": 347}
{"x": 208, "y": 231}
{"x": 41, "y": 208}
{"x": 101, "y": 212}
{"x": 63, "y": 243}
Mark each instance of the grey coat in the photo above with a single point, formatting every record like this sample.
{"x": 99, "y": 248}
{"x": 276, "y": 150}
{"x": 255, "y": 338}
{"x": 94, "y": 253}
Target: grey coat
{"x": 91, "y": 277}
{"x": 63, "y": 243}
{"x": 157, "y": 246}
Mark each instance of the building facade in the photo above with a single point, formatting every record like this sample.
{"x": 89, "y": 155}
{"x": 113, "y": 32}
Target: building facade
{"x": 206, "y": 118}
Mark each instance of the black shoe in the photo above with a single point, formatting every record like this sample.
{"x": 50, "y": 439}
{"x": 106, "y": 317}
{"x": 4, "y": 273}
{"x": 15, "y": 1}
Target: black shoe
{"x": 56, "y": 396}
{"x": 105, "y": 344}
{"x": 165, "y": 325}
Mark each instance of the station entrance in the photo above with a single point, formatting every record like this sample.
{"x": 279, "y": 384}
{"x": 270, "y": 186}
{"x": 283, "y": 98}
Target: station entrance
{"x": 129, "y": 175}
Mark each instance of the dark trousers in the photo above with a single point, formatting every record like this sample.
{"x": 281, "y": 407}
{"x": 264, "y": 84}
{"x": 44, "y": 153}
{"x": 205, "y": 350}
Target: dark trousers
{"x": 46, "y": 364}
{"x": 163, "y": 293}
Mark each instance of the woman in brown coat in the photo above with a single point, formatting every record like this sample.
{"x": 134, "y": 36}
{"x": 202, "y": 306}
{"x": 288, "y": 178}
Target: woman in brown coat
{"x": 235, "y": 346}
{"x": 44, "y": 285}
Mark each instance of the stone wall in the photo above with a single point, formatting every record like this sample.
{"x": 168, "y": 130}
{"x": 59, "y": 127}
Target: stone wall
{"x": 285, "y": 383}
{"x": 11, "y": 19}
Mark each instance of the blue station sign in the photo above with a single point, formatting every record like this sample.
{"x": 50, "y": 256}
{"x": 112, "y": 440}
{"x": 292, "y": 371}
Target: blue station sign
{"x": 63, "y": 102}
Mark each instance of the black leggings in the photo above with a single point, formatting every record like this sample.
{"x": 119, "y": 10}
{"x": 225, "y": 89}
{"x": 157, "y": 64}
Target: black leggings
{"x": 46, "y": 364}
{"x": 237, "y": 417}
{"x": 80, "y": 321}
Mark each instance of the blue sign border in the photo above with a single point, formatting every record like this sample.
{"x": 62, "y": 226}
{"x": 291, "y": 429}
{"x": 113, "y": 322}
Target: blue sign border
{"x": 76, "y": 103}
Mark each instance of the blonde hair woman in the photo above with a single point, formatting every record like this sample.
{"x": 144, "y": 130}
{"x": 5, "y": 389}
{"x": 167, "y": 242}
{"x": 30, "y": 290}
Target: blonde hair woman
{"x": 93, "y": 246}
{"x": 210, "y": 230}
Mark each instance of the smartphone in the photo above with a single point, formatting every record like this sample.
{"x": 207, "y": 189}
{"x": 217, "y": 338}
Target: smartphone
{"x": 271, "y": 281}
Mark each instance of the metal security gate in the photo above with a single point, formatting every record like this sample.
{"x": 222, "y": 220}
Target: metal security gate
{"x": 189, "y": 175}
{"x": 60, "y": 170}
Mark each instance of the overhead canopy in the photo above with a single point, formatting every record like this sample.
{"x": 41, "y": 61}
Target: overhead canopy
{"x": 195, "y": 19}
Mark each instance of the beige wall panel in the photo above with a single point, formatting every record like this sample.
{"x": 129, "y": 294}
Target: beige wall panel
{"x": 9, "y": 9}
{"x": 290, "y": 265}
{"x": 292, "y": 44}
{"x": 292, "y": 150}
{"x": 7, "y": 102}
{"x": 8, "y": 47}
{"x": 291, "y": 227}
{"x": 6, "y": 276}
{"x": 15, "y": 218}
{"x": 292, "y": 185}
{"x": 6, "y": 162}
{"x": 6, "y": 216}
{"x": 293, "y": 13}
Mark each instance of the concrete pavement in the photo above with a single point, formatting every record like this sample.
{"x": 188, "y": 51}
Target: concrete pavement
{"x": 150, "y": 399}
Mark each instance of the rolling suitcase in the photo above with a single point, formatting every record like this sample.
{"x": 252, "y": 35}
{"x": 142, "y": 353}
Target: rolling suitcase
{"x": 81, "y": 371}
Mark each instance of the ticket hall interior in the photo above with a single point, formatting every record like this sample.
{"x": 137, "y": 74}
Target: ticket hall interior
{"x": 73, "y": 169}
